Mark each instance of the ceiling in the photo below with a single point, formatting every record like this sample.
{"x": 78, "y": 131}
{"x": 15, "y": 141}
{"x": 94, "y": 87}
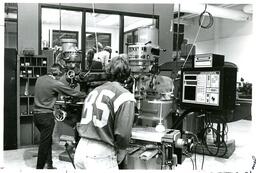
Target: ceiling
{"x": 239, "y": 12}
{"x": 52, "y": 16}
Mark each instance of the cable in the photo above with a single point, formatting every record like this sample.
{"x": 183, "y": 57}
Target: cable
{"x": 60, "y": 22}
{"x": 195, "y": 156}
{"x": 218, "y": 135}
{"x": 202, "y": 166}
{"x": 192, "y": 134}
{"x": 205, "y": 141}
{"x": 197, "y": 143}
{"x": 210, "y": 16}
{"x": 94, "y": 23}
{"x": 201, "y": 19}
{"x": 186, "y": 154}
{"x": 72, "y": 161}
{"x": 192, "y": 44}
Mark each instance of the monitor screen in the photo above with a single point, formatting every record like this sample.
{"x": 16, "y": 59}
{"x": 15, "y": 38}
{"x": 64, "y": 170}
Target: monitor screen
{"x": 201, "y": 87}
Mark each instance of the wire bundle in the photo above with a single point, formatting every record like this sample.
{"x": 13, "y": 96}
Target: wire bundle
{"x": 196, "y": 144}
{"x": 220, "y": 138}
{"x": 201, "y": 17}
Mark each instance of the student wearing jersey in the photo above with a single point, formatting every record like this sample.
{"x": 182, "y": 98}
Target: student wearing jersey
{"x": 107, "y": 118}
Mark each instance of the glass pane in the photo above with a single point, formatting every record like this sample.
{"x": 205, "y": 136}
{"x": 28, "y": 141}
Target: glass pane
{"x": 132, "y": 23}
{"x": 139, "y": 29}
{"x": 106, "y": 28}
{"x": 58, "y": 24}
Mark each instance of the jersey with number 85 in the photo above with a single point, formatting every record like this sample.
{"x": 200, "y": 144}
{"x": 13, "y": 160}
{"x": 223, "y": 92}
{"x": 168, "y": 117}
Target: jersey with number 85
{"x": 108, "y": 115}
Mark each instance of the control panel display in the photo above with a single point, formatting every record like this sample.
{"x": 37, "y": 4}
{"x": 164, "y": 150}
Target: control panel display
{"x": 201, "y": 87}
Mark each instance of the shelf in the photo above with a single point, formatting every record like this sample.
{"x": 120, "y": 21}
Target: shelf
{"x": 29, "y": 77}
{"x": 34, "y": 66}
{"x": 26, "y": 96}
{"x": 30, "y": 115}
{"x": 29, "y": 68}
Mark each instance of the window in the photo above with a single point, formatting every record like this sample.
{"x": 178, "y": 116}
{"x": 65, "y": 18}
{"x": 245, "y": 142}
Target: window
{"x": 139, "y": 29}
{"x": 62, "y": 21}
{"x": 103, "y": 38}
{"x": 58, "y": 24}
{"x": 106, "y": 27}
{"x": 56, "y": 34}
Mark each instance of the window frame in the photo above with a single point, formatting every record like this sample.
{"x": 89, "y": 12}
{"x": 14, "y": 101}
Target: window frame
{"x": 83, "y": 28}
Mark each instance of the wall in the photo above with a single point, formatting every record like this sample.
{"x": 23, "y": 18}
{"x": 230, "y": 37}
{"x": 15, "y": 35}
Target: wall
{"x": 28, "y": 22}
{"x": 234, "y": 39}
{"x": 28, "y": 26}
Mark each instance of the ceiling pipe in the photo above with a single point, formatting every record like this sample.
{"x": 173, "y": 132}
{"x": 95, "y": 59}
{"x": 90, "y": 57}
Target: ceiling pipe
{"x": 214, "y": 10}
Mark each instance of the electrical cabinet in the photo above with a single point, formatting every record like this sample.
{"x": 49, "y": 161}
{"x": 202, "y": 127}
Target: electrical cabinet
{"x": 29, "y": 68}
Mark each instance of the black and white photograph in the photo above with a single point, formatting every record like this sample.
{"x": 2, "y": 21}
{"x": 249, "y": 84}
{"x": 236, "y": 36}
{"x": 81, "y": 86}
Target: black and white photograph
{"x": 127, "y": 86}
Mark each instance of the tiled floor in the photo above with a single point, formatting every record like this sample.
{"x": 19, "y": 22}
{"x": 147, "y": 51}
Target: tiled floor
{"x": 242, "y": 131}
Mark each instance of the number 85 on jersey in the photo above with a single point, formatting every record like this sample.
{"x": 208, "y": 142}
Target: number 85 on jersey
{"x": 87, "y": 113}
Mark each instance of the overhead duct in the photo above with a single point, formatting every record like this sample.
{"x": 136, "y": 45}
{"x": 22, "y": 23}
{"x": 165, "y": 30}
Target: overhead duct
{"x": 215, "y": 11}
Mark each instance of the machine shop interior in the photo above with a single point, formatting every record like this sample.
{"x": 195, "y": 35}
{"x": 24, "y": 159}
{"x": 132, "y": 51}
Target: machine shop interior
{"x": 192, "y": 74}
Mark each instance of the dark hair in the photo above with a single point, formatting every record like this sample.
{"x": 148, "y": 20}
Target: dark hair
{"x": 118, "y": 69}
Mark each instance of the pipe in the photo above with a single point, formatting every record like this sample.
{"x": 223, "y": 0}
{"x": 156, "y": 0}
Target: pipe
{"x": 214, "y": 10}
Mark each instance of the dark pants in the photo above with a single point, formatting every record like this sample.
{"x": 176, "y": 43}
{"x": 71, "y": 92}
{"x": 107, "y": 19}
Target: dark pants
{"x": 45, "y": 124}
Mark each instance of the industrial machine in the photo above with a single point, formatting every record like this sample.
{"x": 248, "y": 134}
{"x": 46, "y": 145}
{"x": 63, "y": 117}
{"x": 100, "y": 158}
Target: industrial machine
{"x": 209, "y": 88}
{"x": 68, "y": 109}
{"x": 153, "y": 93}
{"x": 153, "y": 144}
{"x": 151, "y": 135}
{"x": 151, "y": 149}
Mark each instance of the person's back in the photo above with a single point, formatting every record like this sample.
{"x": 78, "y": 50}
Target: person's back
{"x": 106, "y": 122}
{"x": 106, "y": 101}
{"x": 44, "y": 93}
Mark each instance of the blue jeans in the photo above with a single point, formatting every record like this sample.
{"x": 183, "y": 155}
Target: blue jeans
{"x": 91, "y": 154}
{"x": 45, "y": 124}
